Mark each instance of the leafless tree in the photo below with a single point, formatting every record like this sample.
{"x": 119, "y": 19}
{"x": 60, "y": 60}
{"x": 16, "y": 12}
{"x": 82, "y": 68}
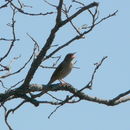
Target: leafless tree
{"x": 23, "y": 89}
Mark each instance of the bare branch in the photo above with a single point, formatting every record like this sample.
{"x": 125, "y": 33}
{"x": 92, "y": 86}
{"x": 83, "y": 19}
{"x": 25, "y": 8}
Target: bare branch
{"x": 59, "y": 8}
{"x": 59, "y": 107}
{"x": 118, "y": 99}
{"x": 12, "y": 110}
{"x": 3, "y": 84}
{"x": 57, "y": 87}
{"x": 36, "y": 43}
{"x": 47, "y": 67}
{"x": 78, "y": 2}
{"x": 54, "y": 97}
{"x": 4, "y": 5}
{"x": 53, "y": 111}
{"x": 5, "y": 68}
{"x": 50, "y": 3}
{"x": 36, "y": 63}
{"x": 94, "y": 4}
{"x": 16, "y": 84}
{"x": 19, "y": 70}
{"x": 4, "y": 39}
{"x": 13, "y": 33}
{"x": 30, "y": 14}
{"x": 66, "y": 13}
{"x": 36, "y": 46}
{"x": 110, "y": 15}
{"x": 95, "y": 70}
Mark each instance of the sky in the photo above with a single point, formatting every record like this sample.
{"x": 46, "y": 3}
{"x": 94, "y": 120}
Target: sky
{"x": 110, "y": 38}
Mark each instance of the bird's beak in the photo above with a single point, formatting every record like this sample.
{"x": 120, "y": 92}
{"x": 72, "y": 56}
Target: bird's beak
{"x": 73, "y": 55}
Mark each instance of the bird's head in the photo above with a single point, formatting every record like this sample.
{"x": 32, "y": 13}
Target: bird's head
{"x": 70, "y": 56}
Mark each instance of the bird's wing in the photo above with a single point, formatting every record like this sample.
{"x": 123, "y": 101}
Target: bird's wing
{"x": 58, "y": 70}
{"x": 56, "y": 73}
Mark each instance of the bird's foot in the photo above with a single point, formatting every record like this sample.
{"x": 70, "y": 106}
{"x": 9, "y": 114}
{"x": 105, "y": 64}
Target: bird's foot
{"x": 65, "y": 84}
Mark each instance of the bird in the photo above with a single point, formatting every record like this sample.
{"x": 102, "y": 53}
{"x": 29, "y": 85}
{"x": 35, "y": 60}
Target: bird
{"x": 63, "y": 69}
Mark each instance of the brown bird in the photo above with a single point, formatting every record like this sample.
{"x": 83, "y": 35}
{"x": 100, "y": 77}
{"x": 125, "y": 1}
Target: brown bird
{"x": 63, "y": 69}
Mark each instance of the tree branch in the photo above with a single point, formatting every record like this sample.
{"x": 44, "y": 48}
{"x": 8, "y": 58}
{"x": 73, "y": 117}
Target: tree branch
{"x": 13, "y": 34}
{"x": 26, "y": 13}
{"x": 94, "y": 4}
{"x": 68, "y": 88}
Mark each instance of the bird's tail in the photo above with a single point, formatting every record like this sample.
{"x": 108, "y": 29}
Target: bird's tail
{"x": 49, "y": 83}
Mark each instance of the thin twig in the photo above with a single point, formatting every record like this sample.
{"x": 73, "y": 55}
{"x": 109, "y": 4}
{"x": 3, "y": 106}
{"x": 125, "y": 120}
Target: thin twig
{"x": 47, "y": 67}
{"x": 50, "y": 3}
{"x": 54, "y": 111}
{"x": 3, "y": 84}
{"x": 36, "y": 43}
{"x": 54, "y": 97}
{"x": 78, "y": 2}
{"x": 5, "y": 39}
{"x": 13, "y": 33}
{"x": 16, "y": 84}
{"x": 66, "y": 13}
{"x": 30, "y": 14}
{"x": 4, "y": 5}
{"x": 12, "y": 110}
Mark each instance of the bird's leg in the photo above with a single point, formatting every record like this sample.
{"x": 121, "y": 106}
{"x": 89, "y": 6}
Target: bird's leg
{"x": 63, "y": 82}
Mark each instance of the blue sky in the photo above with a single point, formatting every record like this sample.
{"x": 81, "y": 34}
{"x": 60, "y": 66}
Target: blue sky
{"x": 110, "y": 38}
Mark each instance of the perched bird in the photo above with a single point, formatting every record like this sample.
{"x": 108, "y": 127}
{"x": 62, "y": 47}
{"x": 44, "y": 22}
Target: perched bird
{"x": 63, "y": 69}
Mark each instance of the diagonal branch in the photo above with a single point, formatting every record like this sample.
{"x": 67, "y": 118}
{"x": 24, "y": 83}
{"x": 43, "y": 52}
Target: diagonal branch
{"x": 66, "y": 13}
{"x": 117, "y": 99}
{"x": 4, "y": 5}
{"x": 26, "y": 13}
{"x": 110, "y": 15}
{"x": 36, "y": 63}
{"x": 12, "y": 110}
{"x": 58, "y": 19}
{"x": 94, "y": 4}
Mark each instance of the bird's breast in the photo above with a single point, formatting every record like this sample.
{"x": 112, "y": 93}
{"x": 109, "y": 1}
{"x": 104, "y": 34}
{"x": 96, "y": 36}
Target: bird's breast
{"x": 66, "y": 70}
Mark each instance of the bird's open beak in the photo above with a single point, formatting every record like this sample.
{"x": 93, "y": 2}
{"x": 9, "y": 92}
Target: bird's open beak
{"x": 73, "y": 56}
